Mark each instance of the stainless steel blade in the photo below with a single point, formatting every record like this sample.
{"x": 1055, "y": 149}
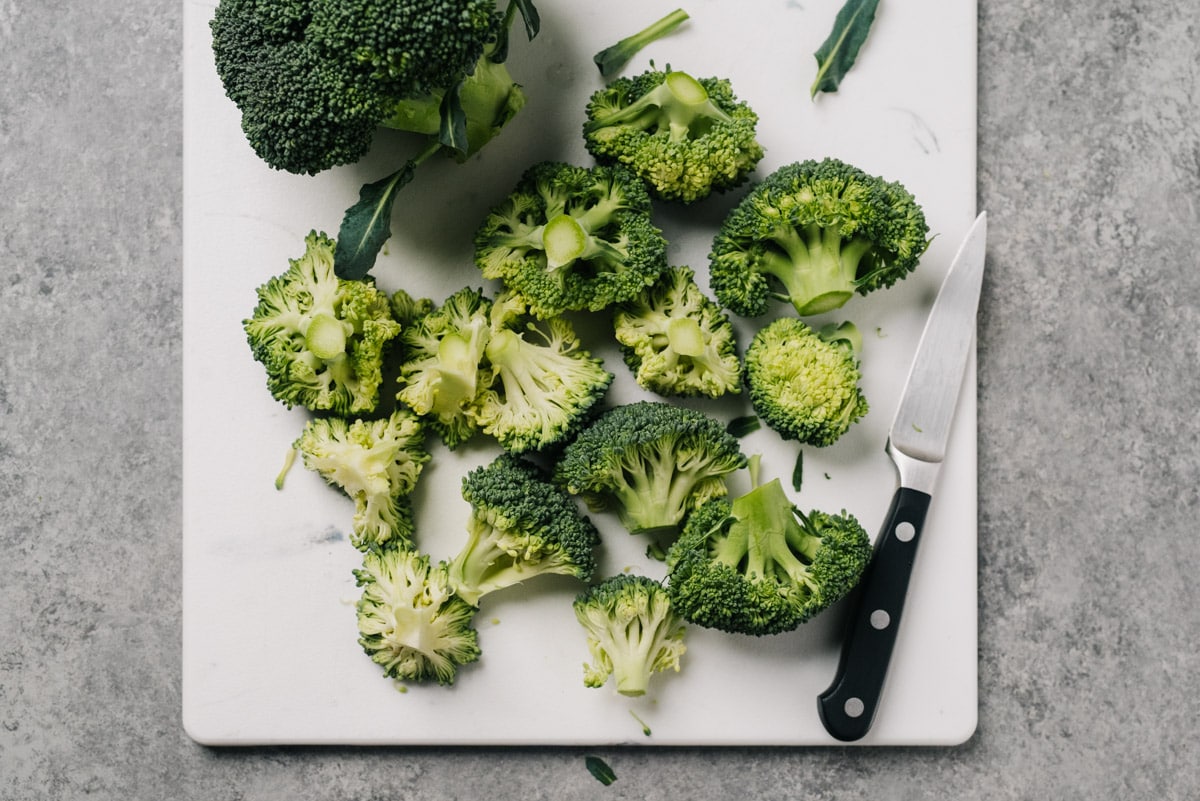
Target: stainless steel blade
{"x": 921, "y": 427}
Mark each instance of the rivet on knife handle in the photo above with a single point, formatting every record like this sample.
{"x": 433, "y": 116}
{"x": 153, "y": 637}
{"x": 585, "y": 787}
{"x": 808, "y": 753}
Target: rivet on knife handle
{"x": 847, "y": 708}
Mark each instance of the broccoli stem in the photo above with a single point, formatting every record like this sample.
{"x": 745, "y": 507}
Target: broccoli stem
{"x": 611, "y": 59}
{"x": 685, "y": 337}
{"x": 816, "y": 265}
{"x": 680, "y": 105}
{"x": 766, "y": 539}
{"x": 325, "y": 337}
{"x": 563, "y": 240}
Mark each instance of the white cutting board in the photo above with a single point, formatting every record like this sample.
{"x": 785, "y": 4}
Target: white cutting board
{"x": 269, "y": 637}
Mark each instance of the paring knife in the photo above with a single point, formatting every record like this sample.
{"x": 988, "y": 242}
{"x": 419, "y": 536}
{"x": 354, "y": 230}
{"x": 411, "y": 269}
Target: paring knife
{"x": 917, "y": 445}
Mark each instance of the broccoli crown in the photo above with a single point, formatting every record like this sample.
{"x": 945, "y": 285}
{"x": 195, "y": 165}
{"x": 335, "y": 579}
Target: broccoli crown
{"x": 313, "y": 79}
{"x": 520, "y": 526}
{"x": 570, "y": 238}
{"x": 803, "y": 383}
{"x": 760, "y": 566}
{"x": 410, "y": 621}
{"x": 654, "y": 462}
{"x": 685, "y": 137}
{"x": 540, "y": 384}
{"x": 443, "y": 351}
{"x": 813, "y": 233}
{"x": 677, "y": 341}
{"x": 320, "y": 337}
{"x": 632, "y": 632}
{"x": 376, "y": 463}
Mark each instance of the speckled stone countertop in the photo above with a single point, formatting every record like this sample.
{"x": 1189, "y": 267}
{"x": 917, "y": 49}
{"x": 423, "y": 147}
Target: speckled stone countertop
{"x": 1089, "y": 441}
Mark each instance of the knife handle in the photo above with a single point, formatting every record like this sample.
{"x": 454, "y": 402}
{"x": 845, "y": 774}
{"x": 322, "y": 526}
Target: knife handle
{"x": 847, "y": 708}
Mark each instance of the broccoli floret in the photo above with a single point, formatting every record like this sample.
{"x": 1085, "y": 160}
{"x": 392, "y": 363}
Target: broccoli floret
{"x": 443, "y": 353}
{"x": 314, "y": 79}
{"x": 570, "y": 238}
{"x": 632, "y": 632}
{"x": 803, "y": 383}
{"x": 677, "y": 341}
{"x": 320, "y": 337}
{"x": 520, "y": 526}
{"x": 613, "y": 58}
{"x": 685, "y": 137}
{"x": 758, "y": 565}
{"x": 653, "y": 462}
{"x": 376, "y": 463}
{"x": 813, "y": 233}
{"x": 410, "y": 621}
{"x": 540, "y": 383}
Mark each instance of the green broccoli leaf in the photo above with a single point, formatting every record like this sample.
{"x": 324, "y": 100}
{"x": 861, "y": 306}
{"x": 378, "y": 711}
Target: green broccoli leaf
{"x": 600, "y": 769}
{"x": 836, "y": 55}
{"x": 367, "y": 225}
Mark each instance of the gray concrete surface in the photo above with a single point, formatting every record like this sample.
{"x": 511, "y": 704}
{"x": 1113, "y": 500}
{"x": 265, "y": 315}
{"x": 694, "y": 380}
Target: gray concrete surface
{"x": 1089, "y": 163}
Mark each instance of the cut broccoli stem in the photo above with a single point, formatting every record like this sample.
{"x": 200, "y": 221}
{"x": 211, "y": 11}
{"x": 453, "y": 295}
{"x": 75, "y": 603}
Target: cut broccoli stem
{"x": 828, "y": 277}
{"x": 564, "y": 241}
{"x": 679, "y": 105}
{"x": 754, "y": 548}
{"x": 655, "y": 493}
{"x": 325, "y": 337}
{"x": 685, "y": 336}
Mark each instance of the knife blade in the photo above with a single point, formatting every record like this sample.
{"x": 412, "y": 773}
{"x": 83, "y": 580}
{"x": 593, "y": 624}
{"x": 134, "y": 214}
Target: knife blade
{"x": 917, "y": 446}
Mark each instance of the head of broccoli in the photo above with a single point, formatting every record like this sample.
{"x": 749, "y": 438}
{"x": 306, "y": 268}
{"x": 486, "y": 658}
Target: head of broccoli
{"x": 677, "y": 341}
{"x": 570, "y": 238}
{"x": 758, "y": 565}
{"x": 442, "y": 353}
{"x": 804, "y": 382}
{"x": 686, "y": 137}
{"x": 814, "y": 233}
{"x": 321, "y": 338}
{"x": 376, "y": 463}
{"x": 410, "y": 622}
{"x": 314, "y": 79}
{"x": 520, "y": 526}
{"x": 632, "y": 632}
{"x": 539, "y": 384}
{"x": 652, "y": 462}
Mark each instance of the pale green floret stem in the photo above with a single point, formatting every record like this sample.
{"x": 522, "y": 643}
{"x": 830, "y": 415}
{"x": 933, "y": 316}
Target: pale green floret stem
{"x": 326, "y": 337}
{"x": 656, "y": 489}
{"x": 564, "y": 240}
{"x": 817, "y": 267}
{"x": 685, "y": 337}
{"x": 457, "y": 370}
{"x": 755, "y": 546}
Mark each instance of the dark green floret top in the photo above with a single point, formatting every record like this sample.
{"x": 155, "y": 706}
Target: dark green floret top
{"x": 521, "y": 526}
{"x": 314, "y": 79}
{"x": 686, "y": 137}
{"x": 813, "y": 234}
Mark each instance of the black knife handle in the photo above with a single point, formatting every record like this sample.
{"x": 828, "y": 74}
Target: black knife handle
{"x": 847, "y": 708}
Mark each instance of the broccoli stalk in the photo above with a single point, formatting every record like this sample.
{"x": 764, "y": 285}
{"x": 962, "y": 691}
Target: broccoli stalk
{"x": 520, "y": 526}
{"x": 410, "y": 622}
{"x": 759, "y": 565}
{"x": 612, "y": 59}
{"x": 632, "y": 632}
{"x": 686, "y": 137}
{"x": 813, "y": 234}
{"x": 654, "y": 462}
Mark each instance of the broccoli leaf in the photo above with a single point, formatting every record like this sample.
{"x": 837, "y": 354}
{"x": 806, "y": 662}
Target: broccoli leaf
{"x": 453, "y": 130}
{"x": 600, "y": 769}
{"x": 368, "y": 223}
{"x": 798, "y": 472}
{"x": 836, "y": 55}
